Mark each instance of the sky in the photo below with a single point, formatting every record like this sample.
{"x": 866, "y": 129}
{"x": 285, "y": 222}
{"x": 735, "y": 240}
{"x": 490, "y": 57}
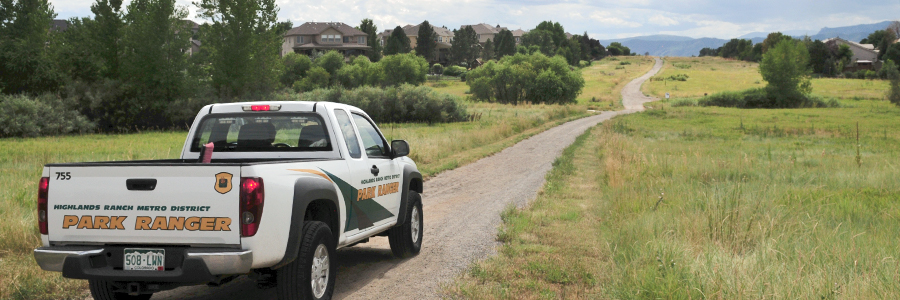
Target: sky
{"x": 602, "y": 19}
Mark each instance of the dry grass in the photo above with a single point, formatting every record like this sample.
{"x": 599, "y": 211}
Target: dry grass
{"x": 434, "y": 147}
{"x": 711, "y": 203}
{"x": 603, "y": 82}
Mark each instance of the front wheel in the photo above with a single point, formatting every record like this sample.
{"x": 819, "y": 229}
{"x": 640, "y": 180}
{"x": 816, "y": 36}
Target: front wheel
{"x": 109, "y": 290}
{"x": 312, "y": 274}
{"x": 406, "y": 238}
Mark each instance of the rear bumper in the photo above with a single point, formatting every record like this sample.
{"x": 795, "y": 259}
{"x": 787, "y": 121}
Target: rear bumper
{"x": 187, "y": 265}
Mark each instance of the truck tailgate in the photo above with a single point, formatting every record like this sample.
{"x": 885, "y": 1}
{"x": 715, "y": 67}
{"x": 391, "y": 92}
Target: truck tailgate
{"x": 167, "y": 204}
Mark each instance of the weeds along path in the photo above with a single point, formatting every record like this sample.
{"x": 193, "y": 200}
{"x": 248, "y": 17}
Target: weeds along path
{"x": 462, "y": 212}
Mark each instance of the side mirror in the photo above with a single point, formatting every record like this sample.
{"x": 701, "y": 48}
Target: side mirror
{"x": 399, "y": 148}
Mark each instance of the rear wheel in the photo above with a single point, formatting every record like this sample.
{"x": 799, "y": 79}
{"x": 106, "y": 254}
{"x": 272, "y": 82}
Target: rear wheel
{"x": 109, "y": 290}
{"x": 406, "y": 238}
{"x": 312, "y": 274}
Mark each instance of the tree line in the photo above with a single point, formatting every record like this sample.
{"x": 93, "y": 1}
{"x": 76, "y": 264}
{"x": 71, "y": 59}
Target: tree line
{"x": 825, "y": 58}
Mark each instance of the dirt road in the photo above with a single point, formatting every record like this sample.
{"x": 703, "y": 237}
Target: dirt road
{"x": 461, "y": 210}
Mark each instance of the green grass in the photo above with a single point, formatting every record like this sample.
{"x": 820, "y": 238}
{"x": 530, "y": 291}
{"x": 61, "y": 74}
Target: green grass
{"x": 708, "y": 202}
{"x": 434, "y": 147}
{"x": 603, "y": 83}
{"x": 709, "y": 75}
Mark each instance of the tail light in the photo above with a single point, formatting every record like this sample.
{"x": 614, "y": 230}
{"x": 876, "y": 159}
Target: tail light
{"x": 252, "y": 198}
{"x": 43, "y": 187}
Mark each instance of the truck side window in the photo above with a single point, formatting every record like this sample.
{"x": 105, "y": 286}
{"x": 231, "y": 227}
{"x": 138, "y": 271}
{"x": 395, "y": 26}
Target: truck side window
{"x": 349, "y": 135}
{"x": 372, "y": 141}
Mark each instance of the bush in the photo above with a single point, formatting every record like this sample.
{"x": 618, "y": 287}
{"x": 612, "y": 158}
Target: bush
{"x": 584, "y": 64}
{"x": 888, "y": 70}
{"x": 315, "y": 78}
{"x": 437, "y": 69}
{"x": 454, "y": 70}
{"x": 785, "y": 68}
{"x": 684, "y": 102}
{"x": 405, "y": 103}
{"x": 520, "y": 78}
{"x": 23, "y": 116}
{"x": 360, "y": 72}
{"x": 759, "y": 98}
{"x": 295, "y": 67}
{"x": 893, "y": 93}
{"x": 624, "y": 63}
{"x": 403, "y": 68}
{"x": 331, "y": 61}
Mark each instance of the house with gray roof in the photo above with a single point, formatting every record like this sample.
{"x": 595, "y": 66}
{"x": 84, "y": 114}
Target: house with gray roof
{"x": 485, "y": 31}
{"x": 861, "y": 52}
{"x": 324, "y": 36}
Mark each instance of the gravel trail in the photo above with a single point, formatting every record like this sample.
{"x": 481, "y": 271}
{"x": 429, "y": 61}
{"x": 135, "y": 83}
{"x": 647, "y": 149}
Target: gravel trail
{"x": 462, "y": 213}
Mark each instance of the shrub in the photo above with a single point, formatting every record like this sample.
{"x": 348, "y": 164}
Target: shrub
{"x": 23, "y": 116}
{"x": 759, "y": 98}
{"x": 295, "y": 67}
{"x": 315, "y": 78}
{"x": 404, "y": 103}
{"x": 331, "y": 61}
{"x": 403, "y": 68}
{"x": 359, "y": 73}
{"x": 888, "y": 70}
{"x": 684, "y": 102}
{"x": 454, "y": 70}
{"x": 520, "y": 78}
{"x": 682, "y": 66}
{"x": 437, "y": 69}
{"x": 584, "y": 64}
{"x": 624, "y": 63}
{"x": 785, "y": 68}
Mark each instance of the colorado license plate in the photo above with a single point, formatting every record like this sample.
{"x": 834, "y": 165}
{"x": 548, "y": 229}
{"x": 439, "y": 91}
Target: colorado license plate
{"x": 145, "y": 259}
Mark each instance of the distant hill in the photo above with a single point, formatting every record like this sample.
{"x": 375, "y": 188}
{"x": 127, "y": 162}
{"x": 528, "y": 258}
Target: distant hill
{"x": 671, "y": 45}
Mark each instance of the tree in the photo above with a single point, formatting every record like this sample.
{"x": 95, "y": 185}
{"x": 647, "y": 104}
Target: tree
{"x": 505, "y": 44}
{"x": 526, "y": 77}
{"x": 818, "y": 57}
{"x": 397, "y": 42}
{"x": 368, "y": 26}
{"x": 243, "y": 45}
{"x": 785, "y": 68}
{"x": 773, "y": 39}
{"x": 295, "y": 67}
{"x": 542, "y": 39}
{"x": 108, "y": 27}
{"x": 892, "y": 53}
{"x": 404, "y": 68}
{"x": 25, "y": 62}
{"x": 425, "y": 43}
{"x": 315, "y": 78}
{"x": 874, "y": 38}
{"x": 331, "y": 61}
{"x": 891, "y": 34}
{"x": 616, "y": 49}
{"x": 488, "y": 52}
{"x": 153, "y": 62}
{"x": 465, "y": 48}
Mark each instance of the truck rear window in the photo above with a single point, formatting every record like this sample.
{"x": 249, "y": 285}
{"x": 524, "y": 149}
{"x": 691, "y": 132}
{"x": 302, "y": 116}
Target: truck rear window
{"x": 263, "y": 132}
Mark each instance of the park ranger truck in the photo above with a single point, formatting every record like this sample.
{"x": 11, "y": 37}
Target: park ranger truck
{"x": 269, "y": 190}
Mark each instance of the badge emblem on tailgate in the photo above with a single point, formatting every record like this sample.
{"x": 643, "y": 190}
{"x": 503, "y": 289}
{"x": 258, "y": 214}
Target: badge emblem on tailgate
{"x": 223, "y": 182}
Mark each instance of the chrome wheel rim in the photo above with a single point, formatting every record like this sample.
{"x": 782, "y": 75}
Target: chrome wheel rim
{"x": 414, "y": 225}
{"x": 320, "y": 266}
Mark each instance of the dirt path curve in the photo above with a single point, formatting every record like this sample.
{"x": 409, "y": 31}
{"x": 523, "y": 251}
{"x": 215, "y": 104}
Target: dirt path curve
{"x": 461, "y": 210}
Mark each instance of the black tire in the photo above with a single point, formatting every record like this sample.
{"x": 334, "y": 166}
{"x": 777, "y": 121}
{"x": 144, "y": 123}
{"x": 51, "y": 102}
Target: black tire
{"x": 295, "y": 280}
{"x": 404, "y": 241}
{"x": 107, "y": 290}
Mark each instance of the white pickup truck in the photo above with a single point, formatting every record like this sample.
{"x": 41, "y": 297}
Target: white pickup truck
{"x": 268, "y": 190}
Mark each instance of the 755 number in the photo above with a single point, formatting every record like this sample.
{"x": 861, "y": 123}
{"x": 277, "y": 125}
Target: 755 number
{"x": 63, "y": 175}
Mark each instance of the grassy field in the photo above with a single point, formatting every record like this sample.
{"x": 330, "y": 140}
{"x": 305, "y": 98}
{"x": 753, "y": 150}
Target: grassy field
{"x": 603, "y": 81}
{"x": 435, "y": 148}
{"x": 691, "y": 202}
{"x": 714, "y": 74}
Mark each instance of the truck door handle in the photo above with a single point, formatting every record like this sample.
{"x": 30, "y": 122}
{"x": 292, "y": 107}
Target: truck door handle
{"x": 374, "y": 170}
{"x": 137, "y": 184}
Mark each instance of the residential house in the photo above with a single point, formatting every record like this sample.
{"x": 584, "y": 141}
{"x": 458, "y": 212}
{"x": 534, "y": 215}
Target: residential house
{"x": 864, "y": 55}
{"x": 325, "y": 36}
{"x": 59, "y": 25}
{"x": 484, "y": 32}
{"x": 443, "y": 38}
{"x": 195, "y": 37}
{"x": 517, "y": 34}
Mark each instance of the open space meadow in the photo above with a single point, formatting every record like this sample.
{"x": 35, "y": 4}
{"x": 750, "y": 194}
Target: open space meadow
{"x": 703, "y": 202}
{"x": 710, "y": 202}
{"x": 708, "y": 75}
{"x": 603, "y": 81}
{"x": 434, "y": 147}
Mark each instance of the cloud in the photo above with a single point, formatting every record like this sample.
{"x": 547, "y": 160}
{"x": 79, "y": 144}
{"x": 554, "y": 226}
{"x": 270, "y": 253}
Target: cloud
{"x": 662, "y": 20}
{"x": 605, "y": 17}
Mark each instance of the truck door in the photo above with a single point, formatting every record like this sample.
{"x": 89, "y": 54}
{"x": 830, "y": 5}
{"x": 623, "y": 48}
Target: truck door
{"x": 374, "y": 175}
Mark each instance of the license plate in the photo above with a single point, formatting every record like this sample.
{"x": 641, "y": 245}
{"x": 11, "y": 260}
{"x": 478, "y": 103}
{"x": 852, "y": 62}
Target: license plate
{"x": 145, "y": 259}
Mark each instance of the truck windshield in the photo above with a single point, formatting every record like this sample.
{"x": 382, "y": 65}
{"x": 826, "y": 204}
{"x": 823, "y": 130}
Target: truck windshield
{"x": 263, "y": 132}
